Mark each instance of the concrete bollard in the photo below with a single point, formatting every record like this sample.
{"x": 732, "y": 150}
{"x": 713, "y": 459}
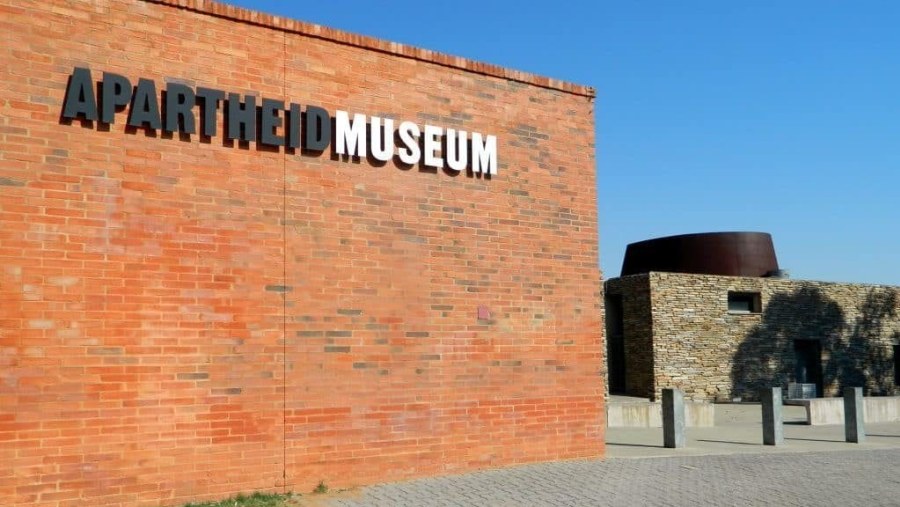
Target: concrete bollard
{"x": 673, "y": 418}
{"x": 854, "y": 428}
{"x": 772, "y": 421}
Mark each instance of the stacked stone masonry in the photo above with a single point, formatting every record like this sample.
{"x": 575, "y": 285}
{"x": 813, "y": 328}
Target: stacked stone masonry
{"x": 713, "y": 354}
{"x": 636, "y": 331}
{"x": 184, "y": 318}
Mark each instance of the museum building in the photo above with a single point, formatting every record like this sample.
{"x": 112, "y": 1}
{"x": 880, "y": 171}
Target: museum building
{"x": 713, "y": 315}
{"x": 241, "y": 253}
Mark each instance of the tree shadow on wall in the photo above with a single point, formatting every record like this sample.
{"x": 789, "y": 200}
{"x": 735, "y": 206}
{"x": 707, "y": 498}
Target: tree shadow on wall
{"x": 765, "y": 357}
{"x": 857, "y": 355}
{"x": 865, "y": 358}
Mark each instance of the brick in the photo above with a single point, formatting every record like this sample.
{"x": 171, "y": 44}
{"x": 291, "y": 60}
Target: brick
{"x": 62, "y": 281}
{"x": 192, "y": 376}
{"x": 41, "y": 324}
{"x": 190, "y": 309}
{"x": 10, "y": 182}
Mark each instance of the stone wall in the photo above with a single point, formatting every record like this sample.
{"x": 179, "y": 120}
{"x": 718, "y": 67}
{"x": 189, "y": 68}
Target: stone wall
{"x": 711, "y": 353}
{"x": 638, "y": 332}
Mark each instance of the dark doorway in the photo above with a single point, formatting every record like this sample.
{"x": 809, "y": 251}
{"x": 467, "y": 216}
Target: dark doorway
{"x": 808, "y": 354}
{"x": 896, "y": 366}
{"x": 615, "y": 344}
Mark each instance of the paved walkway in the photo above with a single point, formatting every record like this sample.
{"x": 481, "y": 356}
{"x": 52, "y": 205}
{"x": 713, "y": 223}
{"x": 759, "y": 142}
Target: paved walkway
{"x": 738, "y": 430}
{"x": 839, "y": 478}
{"x": 725, "y": 465}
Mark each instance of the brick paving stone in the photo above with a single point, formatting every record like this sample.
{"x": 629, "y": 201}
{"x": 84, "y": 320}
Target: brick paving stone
{"x": 867, "y": 478}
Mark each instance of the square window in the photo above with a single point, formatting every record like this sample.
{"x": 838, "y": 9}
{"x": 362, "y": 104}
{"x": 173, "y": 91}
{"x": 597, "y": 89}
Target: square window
{"x": 744, "y": 302}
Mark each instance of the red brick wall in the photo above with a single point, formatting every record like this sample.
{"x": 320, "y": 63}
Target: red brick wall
{"x": 184, "y": 320}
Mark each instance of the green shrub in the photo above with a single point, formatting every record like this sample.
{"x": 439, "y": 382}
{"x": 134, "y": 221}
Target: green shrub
{"x": 257, "y": 499}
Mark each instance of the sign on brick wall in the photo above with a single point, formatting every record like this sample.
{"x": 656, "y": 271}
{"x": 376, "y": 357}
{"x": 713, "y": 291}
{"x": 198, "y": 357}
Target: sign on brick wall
{"x": 274, "y": 123}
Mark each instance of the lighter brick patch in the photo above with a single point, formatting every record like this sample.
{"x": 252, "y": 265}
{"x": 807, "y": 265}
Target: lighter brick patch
{"x": 31, "y": 293}
{"x": 63, "y": 281}
{"x": 40, "y": 324}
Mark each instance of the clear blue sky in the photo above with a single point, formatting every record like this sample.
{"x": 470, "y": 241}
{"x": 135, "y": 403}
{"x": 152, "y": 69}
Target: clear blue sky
{"x": 780, "y": 116}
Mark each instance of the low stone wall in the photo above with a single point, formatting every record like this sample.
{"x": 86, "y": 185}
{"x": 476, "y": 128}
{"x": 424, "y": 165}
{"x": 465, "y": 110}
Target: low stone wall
{"x": 648, "y": 414}
{"x": 822, "y": 411}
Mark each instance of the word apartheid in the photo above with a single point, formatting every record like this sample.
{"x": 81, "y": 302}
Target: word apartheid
{"x": 274, "y": 123}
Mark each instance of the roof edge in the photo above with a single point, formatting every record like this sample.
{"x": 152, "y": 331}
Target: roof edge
{"x": 252, "y": 17}
{"x": 786, "y": 281}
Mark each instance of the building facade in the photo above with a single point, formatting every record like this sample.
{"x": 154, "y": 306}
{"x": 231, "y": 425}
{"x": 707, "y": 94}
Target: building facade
{"x": 724, "y": 337}
{"x": 240, "y": 252}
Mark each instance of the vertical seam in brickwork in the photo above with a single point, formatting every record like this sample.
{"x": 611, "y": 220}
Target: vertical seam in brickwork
{"x": 284, "y": 280}
{"x": 654, "y": 384}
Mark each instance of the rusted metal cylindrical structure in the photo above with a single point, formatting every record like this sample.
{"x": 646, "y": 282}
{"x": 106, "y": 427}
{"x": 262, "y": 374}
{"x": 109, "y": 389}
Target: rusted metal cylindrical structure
{"x": 709, "y": 253}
